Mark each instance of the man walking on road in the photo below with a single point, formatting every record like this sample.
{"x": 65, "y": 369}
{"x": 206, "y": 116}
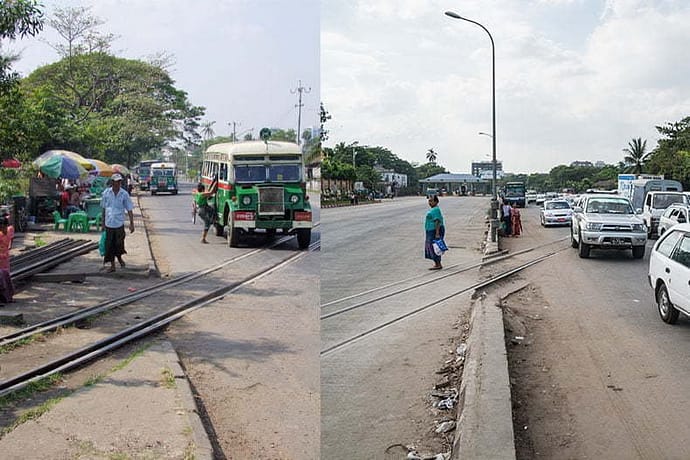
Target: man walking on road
{"x": 115, "y": 201}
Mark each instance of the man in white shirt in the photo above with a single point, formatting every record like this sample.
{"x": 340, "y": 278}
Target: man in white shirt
{"x": 115, "y": 202}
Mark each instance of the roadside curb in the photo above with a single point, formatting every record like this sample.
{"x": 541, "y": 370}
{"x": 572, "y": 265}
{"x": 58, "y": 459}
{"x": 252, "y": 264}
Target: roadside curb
{"x": 152, "y": 270}
{"x": 485, "y": 422}
{"x": 202, "y": 444}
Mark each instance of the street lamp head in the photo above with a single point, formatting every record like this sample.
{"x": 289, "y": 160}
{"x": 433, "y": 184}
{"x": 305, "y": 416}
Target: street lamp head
{"x": 453, "y": 15}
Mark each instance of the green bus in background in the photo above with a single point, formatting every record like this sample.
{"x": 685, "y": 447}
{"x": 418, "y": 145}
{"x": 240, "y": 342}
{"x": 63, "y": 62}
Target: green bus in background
{"x": 163, "y": 178}
{"x": 261, "y": 186}
{"x": 144, "y": 173}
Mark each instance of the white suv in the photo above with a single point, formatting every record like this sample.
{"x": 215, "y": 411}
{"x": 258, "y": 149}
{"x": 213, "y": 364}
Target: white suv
{"x": 607, "y": 222}
{"x": 669, "y": 272}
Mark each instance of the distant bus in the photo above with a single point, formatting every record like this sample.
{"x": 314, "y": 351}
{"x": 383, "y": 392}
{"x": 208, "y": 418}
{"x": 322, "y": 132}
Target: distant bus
{"x": 514, "y": 192}
{"x": 261, "y": 186}
{"x": 163, "y": 178}
{"x": 144, "y": 173}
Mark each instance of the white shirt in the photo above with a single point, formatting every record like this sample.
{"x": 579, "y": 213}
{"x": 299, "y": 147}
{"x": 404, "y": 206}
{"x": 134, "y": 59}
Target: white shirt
{"x": 115, "y": 207}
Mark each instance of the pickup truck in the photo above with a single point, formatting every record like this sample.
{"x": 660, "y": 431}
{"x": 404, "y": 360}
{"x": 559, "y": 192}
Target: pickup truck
{"x": 607, "y": 222}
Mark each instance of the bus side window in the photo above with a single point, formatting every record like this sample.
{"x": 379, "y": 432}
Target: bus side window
{"x": 223, "y": 172}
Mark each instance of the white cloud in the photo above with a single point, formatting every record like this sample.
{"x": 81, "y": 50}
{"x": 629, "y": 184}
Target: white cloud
{"x": 575, "y": 80}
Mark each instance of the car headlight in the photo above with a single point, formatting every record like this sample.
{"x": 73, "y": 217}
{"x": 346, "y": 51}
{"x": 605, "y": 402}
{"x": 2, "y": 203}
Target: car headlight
{"x": 294, "y": 199}
{"x": 593, "y": 226}
{"x": 246, "y": 200}
{"x": 639, "y": 228}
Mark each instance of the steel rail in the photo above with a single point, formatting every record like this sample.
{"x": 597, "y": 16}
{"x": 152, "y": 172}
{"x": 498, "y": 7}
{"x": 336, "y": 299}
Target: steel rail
{"x": 420, "y": 284}
{"x": 53, "y": 260}
{"x": 479, "y": 285}
{"x": 90, "y": 352}
{"x": 72, "y": 317}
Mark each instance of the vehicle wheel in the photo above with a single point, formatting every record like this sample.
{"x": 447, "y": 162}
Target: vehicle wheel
{"x": 233, "y": 234}
{"x": 175, "y": 192}
{"x": 541, "y": 221}
{"x": 583, "y": 249}
{"x": 152, "y": 193}
{"x": 667, "y": 311}
{"x": 303, "y": 237}
{"x": 270, "y": 233}
{"x": 638, "y": 252}
{"x": 219, "y": 229}
{"x": 573, "y": 243}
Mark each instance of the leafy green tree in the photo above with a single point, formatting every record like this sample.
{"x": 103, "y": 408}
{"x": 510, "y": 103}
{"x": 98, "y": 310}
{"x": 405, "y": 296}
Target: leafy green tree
{"x": 18, "y": 18}
{"x": 670, "y": 158}
{"x": 636, "y": 154}
{"x": 324, "y": 116}
{"x": 111, "y": 108}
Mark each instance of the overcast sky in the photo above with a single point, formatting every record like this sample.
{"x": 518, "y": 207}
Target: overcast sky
{"x": 575, "y": 79}
{"x": 238, "y": 58}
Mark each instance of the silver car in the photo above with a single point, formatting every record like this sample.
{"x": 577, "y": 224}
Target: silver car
{"x": 555, "y": 212}
{"x": 607, "y": 222}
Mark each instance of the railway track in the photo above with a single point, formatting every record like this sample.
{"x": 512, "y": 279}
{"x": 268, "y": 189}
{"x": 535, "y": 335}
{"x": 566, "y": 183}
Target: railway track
{"x": 179, "y": 297}
{"x": 422, "y": 282}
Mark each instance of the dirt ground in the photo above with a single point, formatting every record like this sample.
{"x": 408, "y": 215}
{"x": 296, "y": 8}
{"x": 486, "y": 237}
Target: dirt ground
{"x": 537, "y": 396}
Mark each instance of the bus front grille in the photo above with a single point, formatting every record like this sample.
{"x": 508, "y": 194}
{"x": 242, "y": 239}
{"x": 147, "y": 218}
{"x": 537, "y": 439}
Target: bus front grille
{"x": 271, "y": 201}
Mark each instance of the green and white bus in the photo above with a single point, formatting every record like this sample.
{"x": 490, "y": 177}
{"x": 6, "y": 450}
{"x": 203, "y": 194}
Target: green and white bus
{"x": 261, "y": 186}
{"x": 163, "y": 178}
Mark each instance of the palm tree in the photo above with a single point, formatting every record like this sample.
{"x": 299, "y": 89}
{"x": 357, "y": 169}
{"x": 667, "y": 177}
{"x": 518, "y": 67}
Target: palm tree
{"x": 636, "y": 154}
{"x": 207, "y": 129}
{"x": 431, "y": 156}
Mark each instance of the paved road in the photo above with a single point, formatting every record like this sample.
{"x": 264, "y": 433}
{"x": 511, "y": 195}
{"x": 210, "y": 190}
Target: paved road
{"x": 615, "y": 375}
{"x": 375, "y": 391}
{"x": 252, "y": 357}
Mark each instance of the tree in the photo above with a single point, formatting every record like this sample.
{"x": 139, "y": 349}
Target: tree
{"x": 18, "y": 19}
{"x": 111, "y": 108}
{"x": 636, "y": 154}
{"x": 207, "y": 130}
{"x": 324, "y": 116}
{"x": 670, "y": 158}
{"x": 431, "y": 156}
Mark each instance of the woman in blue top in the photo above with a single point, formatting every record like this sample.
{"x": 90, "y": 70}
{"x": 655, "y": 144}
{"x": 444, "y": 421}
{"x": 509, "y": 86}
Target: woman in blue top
{"x": 434, "y": 228}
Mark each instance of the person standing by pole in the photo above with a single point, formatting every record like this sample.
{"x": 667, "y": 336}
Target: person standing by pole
{"x": 435, "y": 230}
{"x": 115, "y": 202}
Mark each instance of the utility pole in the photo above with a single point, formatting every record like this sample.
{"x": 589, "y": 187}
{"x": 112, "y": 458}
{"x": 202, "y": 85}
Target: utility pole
{"x": 300, "y": 89}
{"x": 234, "y": 127}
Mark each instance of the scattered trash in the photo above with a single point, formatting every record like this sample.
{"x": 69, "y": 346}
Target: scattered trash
{"x": 461, "y": 350}
{"x": 448, "y": 401}
{"x": 445, "y": 427}
{"x": 519, "y": 337}
{"x": 413, "y": 455}
{"x": 132, "y": 289}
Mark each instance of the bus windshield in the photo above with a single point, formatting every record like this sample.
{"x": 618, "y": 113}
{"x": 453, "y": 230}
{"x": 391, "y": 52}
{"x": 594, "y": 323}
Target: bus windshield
{"x": 163, "y": 172}
{"x": 250, "y": 174}
{"x": 284, "y": 173}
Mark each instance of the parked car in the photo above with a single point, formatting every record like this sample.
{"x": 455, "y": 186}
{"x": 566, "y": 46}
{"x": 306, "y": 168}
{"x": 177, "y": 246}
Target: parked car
{"x": 673, "y": 215}
{"x": 607, "y": 222}
{"x": 669, "y": 272}
{"x": 539, "y": 200}
{"x": 555, "y": 212}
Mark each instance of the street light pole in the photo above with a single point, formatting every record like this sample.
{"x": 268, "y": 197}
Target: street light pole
{"x": 494, "y": 199}
{"x": 354, "y": 154}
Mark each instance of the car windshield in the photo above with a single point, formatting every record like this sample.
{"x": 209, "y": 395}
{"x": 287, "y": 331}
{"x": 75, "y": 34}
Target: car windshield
{"x": 557, "y": 205}
{"x": 663, "y": 201}
{"x": 609, "y": 206}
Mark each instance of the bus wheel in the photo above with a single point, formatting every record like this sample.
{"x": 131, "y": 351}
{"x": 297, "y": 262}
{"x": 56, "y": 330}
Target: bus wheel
{"x": 219, "y": 229}
{"x": 303, "y": 237}
{"x": 270, "y": 233}
{"x": 233, "y": 235}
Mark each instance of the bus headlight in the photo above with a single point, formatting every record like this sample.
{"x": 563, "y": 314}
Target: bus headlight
{"x": 294, "y": 199}
{"x": 246, "y": 200}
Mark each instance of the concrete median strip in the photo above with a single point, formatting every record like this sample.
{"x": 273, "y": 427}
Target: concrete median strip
{"x": 485, "y": 422}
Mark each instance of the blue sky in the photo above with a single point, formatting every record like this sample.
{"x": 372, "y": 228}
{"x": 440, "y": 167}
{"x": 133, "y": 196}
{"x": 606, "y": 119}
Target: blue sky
{"x": 575, "y": 79}
{"x": 238, "y": 58}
